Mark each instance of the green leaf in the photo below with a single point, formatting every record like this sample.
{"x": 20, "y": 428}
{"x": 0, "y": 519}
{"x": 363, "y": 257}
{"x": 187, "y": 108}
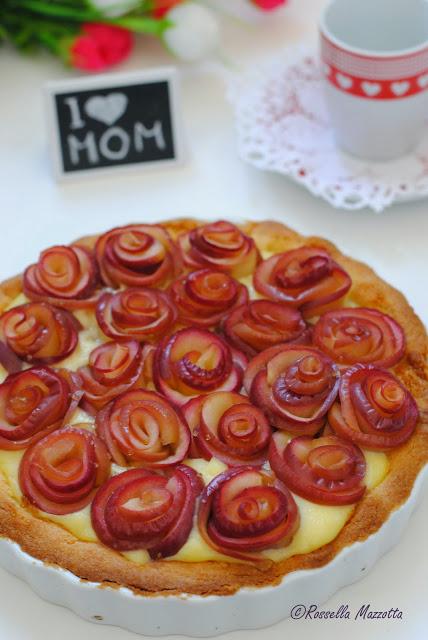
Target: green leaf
{"x": 134, "y": 6}
{"x": 24, "y": 36}
{"x": 141, "y": 24}
{"x": 62, "y": 11}
{"x": 49, "y": 41}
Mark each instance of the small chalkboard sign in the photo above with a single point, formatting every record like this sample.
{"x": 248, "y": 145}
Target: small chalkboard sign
{"x": 114, "y": 122}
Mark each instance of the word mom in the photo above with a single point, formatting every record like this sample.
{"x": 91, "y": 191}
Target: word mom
{"x": 114, "y": 144}
{"x": 117, "y": 121}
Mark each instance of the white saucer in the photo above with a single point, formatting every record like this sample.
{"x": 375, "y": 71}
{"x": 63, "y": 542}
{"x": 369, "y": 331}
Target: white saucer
{"x": 283, "y": 126}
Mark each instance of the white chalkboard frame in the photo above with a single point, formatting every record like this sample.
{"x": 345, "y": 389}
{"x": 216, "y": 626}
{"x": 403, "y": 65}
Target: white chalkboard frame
{"x": 112, "y": 81}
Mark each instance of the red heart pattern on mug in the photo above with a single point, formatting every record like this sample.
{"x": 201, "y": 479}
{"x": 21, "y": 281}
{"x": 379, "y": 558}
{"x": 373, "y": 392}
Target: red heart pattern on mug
{"x": 423, "y": 81}
{"x": 400, "y": 88}
{"x": 345, "y": 82}
{"x": 371, "y": 89}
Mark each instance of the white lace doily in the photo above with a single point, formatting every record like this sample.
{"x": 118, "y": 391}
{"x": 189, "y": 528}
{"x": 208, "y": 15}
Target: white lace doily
{"x": 283, "y": 126}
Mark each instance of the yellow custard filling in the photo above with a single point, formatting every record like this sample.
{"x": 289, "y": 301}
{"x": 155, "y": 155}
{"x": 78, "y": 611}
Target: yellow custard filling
{"x": 248, "y": 282}
{"x": 319, "y": 524}
{"x": 90, "y": 337}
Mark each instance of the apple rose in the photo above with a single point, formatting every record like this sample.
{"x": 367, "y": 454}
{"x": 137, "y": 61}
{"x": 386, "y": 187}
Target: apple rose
{"x": 260, "y": 324}
{"x": 326, "y": 470}
{"x": 148, "y": 352}
{"x": 361, "y": 335}
{"x": 294, "y": 385}
{"x": 141, "y": 428}
{"x": 114, "y": 367}
{"x": 307, "y": 278}
{"x": 245, "y": 510}
{"x": 139, "y": 509}
{"x": 221, "y": 246}
{"x": 60, "y": 473}
{"x": 193, "y": 362}
{"x": 8, "y": 359}
{"x": 225, "y": 425}
{"x": 32, "y": 403}
{"x": 203, "y": 297}
{"x": 138, "y": 255}
{"x": 375, "y": 411}
{"x": 143, "y": 314}
{"x": 63, "y": 276}
{"x": 39, "y": 333}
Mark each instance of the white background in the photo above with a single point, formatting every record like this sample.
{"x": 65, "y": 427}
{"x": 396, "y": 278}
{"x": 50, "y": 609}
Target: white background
{"x": 36, "y": 212}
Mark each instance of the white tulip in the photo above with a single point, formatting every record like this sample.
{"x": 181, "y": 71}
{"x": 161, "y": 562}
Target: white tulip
{"x": 195, "y": 33}
{"x": 113, "y": 8}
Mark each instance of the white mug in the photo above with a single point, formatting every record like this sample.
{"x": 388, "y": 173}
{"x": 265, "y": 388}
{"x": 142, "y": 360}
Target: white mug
{"x": 374, "y": 57}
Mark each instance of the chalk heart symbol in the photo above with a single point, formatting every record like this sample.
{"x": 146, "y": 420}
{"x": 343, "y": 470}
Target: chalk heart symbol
{"x": 423, "y": 81}
{"x": 400, "y": 88}
{"x": 344, "y": 81}
{"x": 371, "y": 89}
{"x": 107, "y": 109}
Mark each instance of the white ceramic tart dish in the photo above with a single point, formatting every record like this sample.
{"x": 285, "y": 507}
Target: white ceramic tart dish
{"x": 197, "y": 417}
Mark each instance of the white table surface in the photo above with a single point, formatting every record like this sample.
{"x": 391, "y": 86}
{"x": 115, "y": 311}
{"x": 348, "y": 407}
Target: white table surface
{"x": 36, "y": 212}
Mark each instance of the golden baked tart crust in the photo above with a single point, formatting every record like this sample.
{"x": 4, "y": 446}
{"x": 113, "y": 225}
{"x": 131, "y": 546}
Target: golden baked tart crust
{"x": 53, "y": 544}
